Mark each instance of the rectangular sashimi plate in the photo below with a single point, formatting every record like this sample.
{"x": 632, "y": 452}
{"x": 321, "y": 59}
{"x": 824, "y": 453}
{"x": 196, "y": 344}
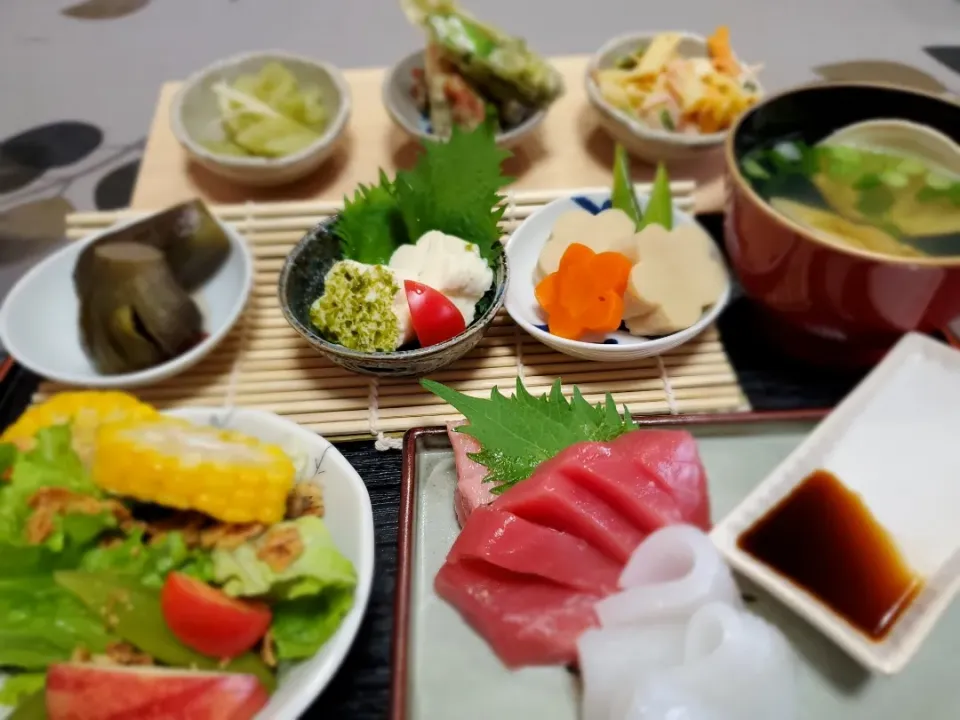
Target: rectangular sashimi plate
{"x": 442, "y": 669}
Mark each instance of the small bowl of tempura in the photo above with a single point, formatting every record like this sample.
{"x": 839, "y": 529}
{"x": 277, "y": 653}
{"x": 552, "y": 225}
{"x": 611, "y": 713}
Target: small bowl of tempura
{"x": 468, "y": 73}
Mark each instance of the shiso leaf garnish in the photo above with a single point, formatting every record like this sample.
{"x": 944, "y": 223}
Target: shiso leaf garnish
{"x": 518, "y": 433}
{"x": 453, "y": 188}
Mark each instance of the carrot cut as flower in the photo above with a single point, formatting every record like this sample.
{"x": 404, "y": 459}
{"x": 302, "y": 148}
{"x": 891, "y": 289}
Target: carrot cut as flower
{"x": 575, "y": 258}
{"x": 546, "y": 292}
{"x": 563, "y": 324}
{"x": 611, "y": 270}
{"x": 605, "y": 313}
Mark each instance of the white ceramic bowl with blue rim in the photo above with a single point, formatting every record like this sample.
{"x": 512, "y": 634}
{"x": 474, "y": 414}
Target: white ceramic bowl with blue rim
{"x": 523, "y": 251}
{"x": 349, "y": 517}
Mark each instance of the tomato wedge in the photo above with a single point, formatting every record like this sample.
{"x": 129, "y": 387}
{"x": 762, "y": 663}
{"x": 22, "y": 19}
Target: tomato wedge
{"x": 210, "y": 621}
{"x": 435, "y": 318}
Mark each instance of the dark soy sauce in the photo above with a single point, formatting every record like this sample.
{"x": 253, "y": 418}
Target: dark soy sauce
{"x": 823, "y": 538}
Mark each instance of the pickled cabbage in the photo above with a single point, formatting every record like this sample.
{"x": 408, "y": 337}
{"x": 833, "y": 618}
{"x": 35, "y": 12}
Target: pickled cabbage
{"x": 268, "y": 114}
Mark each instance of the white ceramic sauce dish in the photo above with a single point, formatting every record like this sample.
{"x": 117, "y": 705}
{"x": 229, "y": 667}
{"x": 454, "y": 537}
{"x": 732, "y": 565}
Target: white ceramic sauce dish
{"x": 40, "y": 326}
{"x": 523, "y": 250}
{"x": 891, "y": 442}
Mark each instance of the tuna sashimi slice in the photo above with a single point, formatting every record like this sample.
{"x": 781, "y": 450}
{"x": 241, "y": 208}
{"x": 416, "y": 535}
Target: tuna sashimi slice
{"x": 607, "y": 471}
{"x": 526, "y": 621}
{"x": 472, "y": 492}
{"x": 673, "y": 458}
{"x": 654, "y": 477}
{"x": 502, "y": 539}
{"x": 550, "y": 498}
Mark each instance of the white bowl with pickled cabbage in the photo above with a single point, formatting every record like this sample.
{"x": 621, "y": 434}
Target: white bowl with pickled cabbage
{"x": 263, "y": 118}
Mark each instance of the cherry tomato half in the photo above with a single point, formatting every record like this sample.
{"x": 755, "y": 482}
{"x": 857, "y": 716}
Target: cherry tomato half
{"x": 210, "y": 621}
{"x": 435, "y": 318}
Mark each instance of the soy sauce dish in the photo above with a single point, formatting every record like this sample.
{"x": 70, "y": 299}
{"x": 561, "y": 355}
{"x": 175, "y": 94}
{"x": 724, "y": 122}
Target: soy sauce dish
{"x": 132, "y": 305}
{"x": 855, "y": 532}
{"x": 409, "y": 276}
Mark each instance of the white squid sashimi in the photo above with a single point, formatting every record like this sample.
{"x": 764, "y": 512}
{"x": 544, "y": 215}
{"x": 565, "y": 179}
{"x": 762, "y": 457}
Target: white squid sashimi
{"x": 671, "y": 574}
{"x": 736, "y": 666}
{"x": 612, "y": 659}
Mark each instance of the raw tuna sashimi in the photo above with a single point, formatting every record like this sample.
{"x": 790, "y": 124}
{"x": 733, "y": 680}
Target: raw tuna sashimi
{"x": 671, "y": 456}
{"x": 472, "y": 491}
{"x": 502, "y": 539}
{"x": 550, "y": 498}
{"x": 525, "y": 620}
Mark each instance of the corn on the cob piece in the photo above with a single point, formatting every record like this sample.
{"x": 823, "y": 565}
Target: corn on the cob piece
{"x": 85, "y": 410}
{"x": 227, "y": 475}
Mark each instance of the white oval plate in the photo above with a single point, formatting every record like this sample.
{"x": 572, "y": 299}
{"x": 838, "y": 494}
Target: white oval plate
{"x": 40, "y": 326}
{"x": 523, "y": 250}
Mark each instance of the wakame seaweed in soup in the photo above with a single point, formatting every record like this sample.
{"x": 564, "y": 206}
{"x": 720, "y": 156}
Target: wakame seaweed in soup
{"x": 860, "y": 197}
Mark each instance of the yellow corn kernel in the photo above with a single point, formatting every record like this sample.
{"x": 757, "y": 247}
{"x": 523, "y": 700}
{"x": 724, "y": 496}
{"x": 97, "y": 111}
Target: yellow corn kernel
{"x": 85, "y": 410}
{"x": 227, "y": 475}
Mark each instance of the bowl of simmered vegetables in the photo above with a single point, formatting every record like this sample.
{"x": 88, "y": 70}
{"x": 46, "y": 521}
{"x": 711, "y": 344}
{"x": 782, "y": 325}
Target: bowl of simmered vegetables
{"x": 262, "y": 119}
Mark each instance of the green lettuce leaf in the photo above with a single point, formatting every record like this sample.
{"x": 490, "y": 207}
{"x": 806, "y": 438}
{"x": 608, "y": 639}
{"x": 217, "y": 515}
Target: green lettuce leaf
{"x": 302, "y": 626}
{"x": 32, "y": 707}
{"x": 320, "y": 566}
{"x": 52, "y": 463}
{"x": 18, "y": 687}
{"x": 138, "y": 619}
{"x": 150, "y": 562}
{"x": 41, "y": 623}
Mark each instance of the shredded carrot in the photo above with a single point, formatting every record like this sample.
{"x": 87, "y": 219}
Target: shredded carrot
{"x": 718, "y": 47}
{"x": 585, "y": 294}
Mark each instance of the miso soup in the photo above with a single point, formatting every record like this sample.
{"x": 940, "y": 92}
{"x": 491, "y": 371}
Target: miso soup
{"x": 865, "y": 198}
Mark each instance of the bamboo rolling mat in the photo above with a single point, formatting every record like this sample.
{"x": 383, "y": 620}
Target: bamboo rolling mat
{"x": 263, "y": 363}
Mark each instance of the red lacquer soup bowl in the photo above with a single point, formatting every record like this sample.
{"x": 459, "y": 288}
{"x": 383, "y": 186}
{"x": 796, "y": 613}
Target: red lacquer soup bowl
{"x": 828, "y": 303}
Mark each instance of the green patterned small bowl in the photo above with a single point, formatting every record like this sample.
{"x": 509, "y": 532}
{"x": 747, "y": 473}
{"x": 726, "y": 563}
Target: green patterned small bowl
{"x": 301, "y": 282}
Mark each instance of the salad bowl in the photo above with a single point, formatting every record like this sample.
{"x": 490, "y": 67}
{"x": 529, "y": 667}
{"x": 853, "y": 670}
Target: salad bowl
{"x": 347, "y": 516}
{"x": 523, "y": 250}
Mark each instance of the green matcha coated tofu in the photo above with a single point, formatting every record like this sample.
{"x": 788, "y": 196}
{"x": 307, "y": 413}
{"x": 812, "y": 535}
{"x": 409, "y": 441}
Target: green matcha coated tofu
{"x": 362, "y": 308}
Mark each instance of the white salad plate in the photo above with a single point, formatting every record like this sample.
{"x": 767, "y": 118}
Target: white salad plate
{"x": 892, "y": 442}
{"x": 349, "y": 517}
{"x": 523, "y": 251}
{"x": 40, "y": 317}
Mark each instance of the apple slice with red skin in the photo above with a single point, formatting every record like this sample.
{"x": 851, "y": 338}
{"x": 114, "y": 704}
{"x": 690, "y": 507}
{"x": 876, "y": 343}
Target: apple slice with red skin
{"x": 434, "y": 316}
{"x": 96, "y": 692}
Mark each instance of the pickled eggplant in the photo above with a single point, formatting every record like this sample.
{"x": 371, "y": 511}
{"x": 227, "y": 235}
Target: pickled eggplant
{"x": 193, "y": 242}
{"x": 133, "y": 314}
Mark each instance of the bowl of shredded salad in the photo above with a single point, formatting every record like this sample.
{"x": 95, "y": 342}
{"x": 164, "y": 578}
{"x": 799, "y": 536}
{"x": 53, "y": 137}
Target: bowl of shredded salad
{"x": 670, "y": 95}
